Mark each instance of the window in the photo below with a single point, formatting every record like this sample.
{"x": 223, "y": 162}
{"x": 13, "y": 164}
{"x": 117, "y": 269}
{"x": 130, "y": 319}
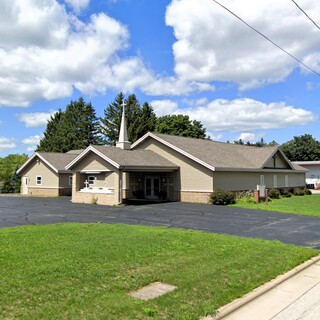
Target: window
{"x": 39, "y": 180}
{"x": 275, "y": 181}
{"x": 286, "y": 181}
{"x": 70, "y": 180}
{"x": 92, "y": 180}
{"x": 262, "y": 180}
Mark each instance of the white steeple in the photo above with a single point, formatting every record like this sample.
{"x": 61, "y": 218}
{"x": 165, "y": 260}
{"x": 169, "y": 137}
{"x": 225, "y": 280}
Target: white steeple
{"x": 123, "y": 142}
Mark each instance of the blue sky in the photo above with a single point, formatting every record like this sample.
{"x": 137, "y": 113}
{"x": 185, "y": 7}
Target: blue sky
{"x": 182, "y": 56}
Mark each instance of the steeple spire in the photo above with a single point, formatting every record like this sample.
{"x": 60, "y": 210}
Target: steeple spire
{"x": 123, "y": 142}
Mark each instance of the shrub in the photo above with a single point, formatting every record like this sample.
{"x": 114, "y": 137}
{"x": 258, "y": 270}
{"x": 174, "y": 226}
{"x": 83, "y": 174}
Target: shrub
{"x": 298, "y": 192}
{"x": 138, "y": 194}
{"x": 285, "y": 193}
{"x": 222, "y": 198}
{"x": 274, "y": 194}
{"x": 307, "y": 191}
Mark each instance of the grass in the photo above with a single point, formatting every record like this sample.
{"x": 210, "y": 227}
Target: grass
{"x": 307, "y": 205}
{"x": 85, "y": 271}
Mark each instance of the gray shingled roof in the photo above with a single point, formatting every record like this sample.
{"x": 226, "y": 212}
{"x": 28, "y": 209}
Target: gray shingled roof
{"x": 58, "y": 160}
{"x": 134, "y": 158}
{"x": 221, "y": 155}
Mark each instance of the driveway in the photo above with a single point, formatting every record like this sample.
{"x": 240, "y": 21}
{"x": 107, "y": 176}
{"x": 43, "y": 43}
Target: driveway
{"x": 288, "y": 228}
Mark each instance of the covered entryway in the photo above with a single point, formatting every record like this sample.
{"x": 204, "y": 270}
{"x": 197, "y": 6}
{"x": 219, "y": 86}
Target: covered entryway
{"x": 152, "y": 187}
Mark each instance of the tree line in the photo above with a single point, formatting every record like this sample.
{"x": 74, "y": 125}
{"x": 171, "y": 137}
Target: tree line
{"x": 78, "y": 126}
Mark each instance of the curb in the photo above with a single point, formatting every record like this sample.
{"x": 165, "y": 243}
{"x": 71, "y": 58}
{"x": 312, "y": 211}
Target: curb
{"x": 238, "y": 303}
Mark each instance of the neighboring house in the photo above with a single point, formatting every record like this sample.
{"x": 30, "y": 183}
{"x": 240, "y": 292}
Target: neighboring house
{"x": 313, "y": 174}
{"x": 44, "y": 174}
{"x": 160, "y": 166}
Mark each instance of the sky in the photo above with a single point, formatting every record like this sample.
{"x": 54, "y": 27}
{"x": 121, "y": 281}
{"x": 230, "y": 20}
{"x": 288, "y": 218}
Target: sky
{"x": 189, "y": 57}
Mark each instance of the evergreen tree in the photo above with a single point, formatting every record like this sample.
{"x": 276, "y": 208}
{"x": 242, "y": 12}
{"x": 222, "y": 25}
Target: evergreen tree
{"x": 139, "y": 119}
{"x": 110, "y": 123}
{"x": 180, "y": 125}
{"x": 75, "y": 128}
{"x": 51, "y": 141}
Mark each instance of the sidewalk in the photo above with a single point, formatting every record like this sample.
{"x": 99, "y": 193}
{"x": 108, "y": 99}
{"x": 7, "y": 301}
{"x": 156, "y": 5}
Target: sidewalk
{"x": 292, "y": 296}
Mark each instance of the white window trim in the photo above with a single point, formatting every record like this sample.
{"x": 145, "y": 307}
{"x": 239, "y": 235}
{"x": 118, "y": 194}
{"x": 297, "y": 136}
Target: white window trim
{"x": 286, "y": 181}
{"x": 92, "y": 180}
{"x": 39, "y": 180}
{"x": 262, "y": 180}
{"x": 275, "y": 181}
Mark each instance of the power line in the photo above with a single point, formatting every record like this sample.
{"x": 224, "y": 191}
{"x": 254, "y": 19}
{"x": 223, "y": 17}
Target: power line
{"x": 262, "y": 35}
{"x": 306, "y": 14}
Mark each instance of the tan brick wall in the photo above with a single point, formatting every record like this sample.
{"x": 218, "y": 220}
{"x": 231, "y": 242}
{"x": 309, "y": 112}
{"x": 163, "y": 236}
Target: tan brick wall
{"x": 102, "y": 198}
{"x": 195, "y": 197}
{"x": 52, "y": 192}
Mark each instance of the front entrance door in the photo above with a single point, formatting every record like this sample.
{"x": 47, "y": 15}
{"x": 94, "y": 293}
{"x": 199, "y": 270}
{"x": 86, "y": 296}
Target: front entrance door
{"x": 25, "y": 182}
{"x": 152, "y": 187}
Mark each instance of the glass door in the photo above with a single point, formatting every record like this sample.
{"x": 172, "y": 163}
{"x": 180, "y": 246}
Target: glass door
{"x": 152, "y": 187}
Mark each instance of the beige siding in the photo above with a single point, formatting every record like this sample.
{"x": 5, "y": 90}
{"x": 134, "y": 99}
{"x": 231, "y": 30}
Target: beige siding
{"x": 192, "y": 176}
{"x": 50, "y": 179}
{"x": 93, "y": 162}
{"x": 237, "y": 181}
{"x": 279, "y": 162}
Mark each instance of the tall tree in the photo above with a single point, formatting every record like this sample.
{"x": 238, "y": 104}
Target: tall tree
{"x": 139, "y": 119}
{"x": 51, "y": 141}
{"x": 180, "y": 125}
{"x": 110, "y": 123}
{"x": 75, "y": 128}
{"x": 8, "y": 168}
{"x": 302, "y": 148}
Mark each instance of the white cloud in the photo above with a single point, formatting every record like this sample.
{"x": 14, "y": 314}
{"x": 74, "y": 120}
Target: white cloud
{"x": 46, "y": 52}
{"x": 35, "y": 119}
{"x": 7, "y": 143}
{"x": 164, "y": 107}
{"x": 78, "y": 5}
{"x": 211, "y": 44}
{"x": 32, "y": 142}
{"x": 250, "y": 137}
{"x": 213, "y": 137}
{"x": 243, "y": 115}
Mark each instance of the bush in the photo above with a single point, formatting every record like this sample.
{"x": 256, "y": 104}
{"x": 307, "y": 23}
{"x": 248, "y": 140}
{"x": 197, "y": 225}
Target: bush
{"x": 274, "y": 194}
{"x": 285, "y": 193}
{"x": 307, "y": 192}
{"x": 222, "y": 198}
{"x": 298, "y": 192}
{"x": 138, "y": 194}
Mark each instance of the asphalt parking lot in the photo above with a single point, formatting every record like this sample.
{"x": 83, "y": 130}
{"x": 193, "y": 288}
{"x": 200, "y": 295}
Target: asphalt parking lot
{"x": 287, "y": 228}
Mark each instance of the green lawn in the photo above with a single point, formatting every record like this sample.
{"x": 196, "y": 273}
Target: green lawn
{"x": 304, "y": 205}
{"x": 84, "y": 271}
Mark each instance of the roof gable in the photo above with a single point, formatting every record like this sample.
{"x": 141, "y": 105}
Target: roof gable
{"x": 122, "y": 159}
{"x": 217, "y": 155}
{"x": 54, "y": 160}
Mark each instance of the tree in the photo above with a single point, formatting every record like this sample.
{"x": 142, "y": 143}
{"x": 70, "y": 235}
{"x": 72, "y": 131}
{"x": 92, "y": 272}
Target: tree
{"x": 51, "y": 141}
{"x": 8, "y": 168}
{"x": 75, "y": 128}
{"x": 139, "y": 119}
{"x": 302, "y": 148}
{"x": 180, "y": 125}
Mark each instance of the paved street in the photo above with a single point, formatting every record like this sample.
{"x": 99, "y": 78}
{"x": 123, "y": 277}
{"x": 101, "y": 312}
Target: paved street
{"x": 288, "y": 228}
